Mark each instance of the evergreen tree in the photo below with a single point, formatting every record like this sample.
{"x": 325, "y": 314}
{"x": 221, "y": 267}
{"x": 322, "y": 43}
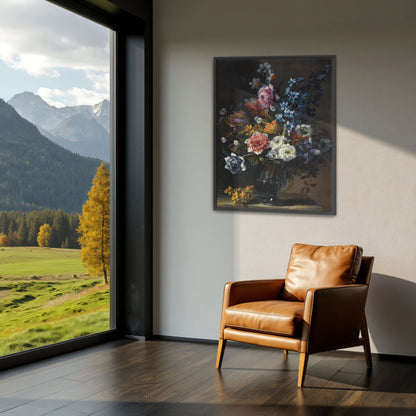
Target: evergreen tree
{"x": 22, "y": 228}
{"x": 23, "y": 232}
{"x": 94, "y": 227}
{"x": 60, "y": 228}
{"x": 12, "y": 227}
{"x": 65, "y": 244}
{"x": 73, "y": 225}
{"x": 4, "y": 222}
{"x": 33, "y": 231}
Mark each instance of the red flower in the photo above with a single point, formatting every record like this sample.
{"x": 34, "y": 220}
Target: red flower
{"x": 257, "y": 143}
{"x": 255, "y": 108}
{"x": 297, "y": 139}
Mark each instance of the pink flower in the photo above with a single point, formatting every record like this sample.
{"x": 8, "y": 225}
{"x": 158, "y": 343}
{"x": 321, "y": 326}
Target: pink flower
{"x": 257, "y": 143}
{"x": 267, "y": 96}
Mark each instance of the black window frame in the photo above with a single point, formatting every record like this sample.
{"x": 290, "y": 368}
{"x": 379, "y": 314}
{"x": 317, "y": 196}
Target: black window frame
{"x": 131, "y": 180}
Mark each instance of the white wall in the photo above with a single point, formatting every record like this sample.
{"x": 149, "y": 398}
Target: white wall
{"x": 198, "y": 249}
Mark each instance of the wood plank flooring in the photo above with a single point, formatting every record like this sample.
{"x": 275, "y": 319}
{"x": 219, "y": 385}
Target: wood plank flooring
{"x": 179, "y": 378}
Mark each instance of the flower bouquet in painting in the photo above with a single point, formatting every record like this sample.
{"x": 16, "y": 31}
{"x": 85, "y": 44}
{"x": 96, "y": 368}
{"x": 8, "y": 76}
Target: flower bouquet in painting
{"x": 273, "y": 135}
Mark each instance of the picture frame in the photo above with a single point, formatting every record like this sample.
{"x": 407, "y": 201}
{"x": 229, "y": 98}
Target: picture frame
{"x": 275, "y": 134}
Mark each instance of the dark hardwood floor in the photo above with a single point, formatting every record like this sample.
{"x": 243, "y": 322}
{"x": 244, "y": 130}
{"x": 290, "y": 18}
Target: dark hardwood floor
{"x": 179, "y": 378}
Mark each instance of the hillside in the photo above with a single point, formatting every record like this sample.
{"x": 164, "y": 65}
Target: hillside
{"x": 36, "y": 173}
{"x": 82, "y": 129}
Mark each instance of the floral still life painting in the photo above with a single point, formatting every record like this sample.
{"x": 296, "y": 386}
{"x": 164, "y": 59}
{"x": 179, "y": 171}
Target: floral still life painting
{"x": 275, "y": 134}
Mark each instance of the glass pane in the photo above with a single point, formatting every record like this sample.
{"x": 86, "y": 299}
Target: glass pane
{"x": 54, "y": 175}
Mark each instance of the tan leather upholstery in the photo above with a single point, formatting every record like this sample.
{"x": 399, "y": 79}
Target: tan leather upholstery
{"x": 278, "y": 317}
{"x": 249, "y": 290}
{"x": 266, "y": 340}
{"x": 319, "y": 266}
{"x": 340, "y": 326}
{"x": 331, "y": 316}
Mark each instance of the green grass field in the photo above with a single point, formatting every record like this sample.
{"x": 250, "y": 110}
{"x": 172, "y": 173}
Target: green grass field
{"x": 41, "y": 302}
{"x": 35, "y": 261}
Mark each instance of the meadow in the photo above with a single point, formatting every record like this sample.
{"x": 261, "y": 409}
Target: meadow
{"x": 46, "y": 296}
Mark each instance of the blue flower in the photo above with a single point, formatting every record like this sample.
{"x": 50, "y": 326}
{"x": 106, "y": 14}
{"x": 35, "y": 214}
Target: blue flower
{"x": 292, "y": 82}
{"x": 235, "y": 164}
{"x": 324, "y": 145}
{"x": 254, "y": 83}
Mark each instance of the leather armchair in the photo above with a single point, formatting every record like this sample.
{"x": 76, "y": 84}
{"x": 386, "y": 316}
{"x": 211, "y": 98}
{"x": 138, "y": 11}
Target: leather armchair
{"x": 318, "y": 307}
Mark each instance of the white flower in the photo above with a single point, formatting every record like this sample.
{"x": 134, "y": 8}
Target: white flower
{"x": 235, "y": 164}
{"x": 223, "y": 139}
{"x": 236, "y": 142}
{"x": 287, "y": 152}
{"x": 277, "y": 142}
{"x": 258, "y": 119}
{"x": 315, "y": 152}
{"x": 273, "y": 154}
{"x": 272, "y": 108}
{"x": 223, "y": 111}
{"x": 304, "y": 130}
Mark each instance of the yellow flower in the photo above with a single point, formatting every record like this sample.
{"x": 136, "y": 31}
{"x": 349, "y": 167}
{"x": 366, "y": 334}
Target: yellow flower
{"x": 239, "y": 195}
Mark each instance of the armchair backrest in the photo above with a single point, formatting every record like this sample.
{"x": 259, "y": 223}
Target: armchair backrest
{"x": 364, "y": 273}
{"x": 320, "y": 266}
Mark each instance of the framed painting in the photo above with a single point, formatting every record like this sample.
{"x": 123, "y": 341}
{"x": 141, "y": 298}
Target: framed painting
{"x": 275, "y": 130}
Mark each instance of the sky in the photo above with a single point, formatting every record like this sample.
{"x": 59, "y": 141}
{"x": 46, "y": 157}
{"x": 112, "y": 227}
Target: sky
{"x": 53, "y": 53}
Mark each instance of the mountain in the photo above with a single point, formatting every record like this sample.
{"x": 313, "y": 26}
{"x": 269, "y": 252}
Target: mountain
{"x": 84, "y": 135}
{"x": 102, "y": 113}
{"x": 36, "y": 173}
{"x": 88, "y": 138}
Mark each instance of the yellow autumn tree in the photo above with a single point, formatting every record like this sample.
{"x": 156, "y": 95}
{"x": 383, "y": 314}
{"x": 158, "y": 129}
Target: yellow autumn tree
{"x": 4, "y": 240}
{"x": 94, "y": 226}
{"x": 44, "y": 235}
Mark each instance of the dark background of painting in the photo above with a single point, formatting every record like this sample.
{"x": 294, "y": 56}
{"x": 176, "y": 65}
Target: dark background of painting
{"x": 231, "y": 88}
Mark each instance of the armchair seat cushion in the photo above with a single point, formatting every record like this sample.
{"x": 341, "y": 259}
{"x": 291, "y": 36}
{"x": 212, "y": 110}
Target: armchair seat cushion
{"x": 278, "y": 317}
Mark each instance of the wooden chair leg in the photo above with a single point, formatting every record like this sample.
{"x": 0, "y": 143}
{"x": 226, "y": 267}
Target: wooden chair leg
{"x": 366, "y": 343}
{"x": 220, "y": 353}
{"x": 303, "y": 364}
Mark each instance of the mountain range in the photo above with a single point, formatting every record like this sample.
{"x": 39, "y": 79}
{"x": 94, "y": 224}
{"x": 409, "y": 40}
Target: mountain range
{"x": 82, "y": 129}
{"x": 36, "y": 173}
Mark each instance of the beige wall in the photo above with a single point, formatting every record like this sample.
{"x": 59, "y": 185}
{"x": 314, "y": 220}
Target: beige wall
{"x": 198, "y": 249}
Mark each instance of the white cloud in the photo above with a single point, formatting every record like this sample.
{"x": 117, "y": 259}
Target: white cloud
{"x": 70, "y": 97}
{"x": 41, "y": 39}
{"x": 101, "y": 81}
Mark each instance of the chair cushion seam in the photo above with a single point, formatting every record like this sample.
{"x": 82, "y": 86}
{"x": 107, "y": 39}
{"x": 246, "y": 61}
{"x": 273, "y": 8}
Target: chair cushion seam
{"x": 266, "y": 314}
{"x": 262, "y": 330}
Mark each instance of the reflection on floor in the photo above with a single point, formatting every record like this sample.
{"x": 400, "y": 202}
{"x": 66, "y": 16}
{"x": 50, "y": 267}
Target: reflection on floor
{"x": 179, "y": 378}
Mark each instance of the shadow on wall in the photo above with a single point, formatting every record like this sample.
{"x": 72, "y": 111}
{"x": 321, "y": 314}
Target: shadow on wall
{"x": 391, "y": 310}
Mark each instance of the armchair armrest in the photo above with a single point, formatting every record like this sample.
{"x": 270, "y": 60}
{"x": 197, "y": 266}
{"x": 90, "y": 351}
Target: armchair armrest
{"x": 333, "y": 317}
{"x": 249, "y": 291}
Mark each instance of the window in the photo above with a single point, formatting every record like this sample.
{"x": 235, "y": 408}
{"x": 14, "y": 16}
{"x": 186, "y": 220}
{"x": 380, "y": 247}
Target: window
{"x": 54, "y": 176}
